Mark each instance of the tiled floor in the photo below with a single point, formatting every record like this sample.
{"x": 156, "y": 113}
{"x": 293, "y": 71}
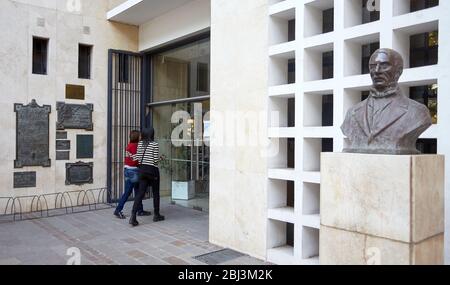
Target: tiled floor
{"x": 103, "y": 239}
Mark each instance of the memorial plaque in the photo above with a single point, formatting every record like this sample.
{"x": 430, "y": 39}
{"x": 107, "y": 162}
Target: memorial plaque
{"x": 24, "y": 180}
{"x": 61, "y": 135}
{"x": 63, "y": 145}
{"x": 32, "y": 135}
{"x": 63, "y": 155}
{"x": 79, "y": 173}
{"x": 73, "y": 116}
{"x": 75, "y": 92}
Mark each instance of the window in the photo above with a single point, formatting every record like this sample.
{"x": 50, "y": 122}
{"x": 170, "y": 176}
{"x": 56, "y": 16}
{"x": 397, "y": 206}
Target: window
{"x": 367, "y": 51}
{"x": 182, "y": 72}
{"x": 424, "y": 49}
{"x": 123, "y": 68}
{"x": 291, "y": 30}
{"x": 327, "y": 110}
{"x": 427, "y": 146}
{"x": 291, "y": 112}
{"x": 291, "y": 71}
{"x": 426, "y": 95}
{"x": 417, "y": 5}
{"x": 84, "y": 61}
{"x": 40, "y": 55}
{"x": 290, "y": 230}
{"x": 203, "y": 77}
{"x": 365, "y": 95}
{"x": 327, "y": 145}
{"x": 328, "y": 20}
{"x": 368, "y": 15}
{"x": 327, "y": 65}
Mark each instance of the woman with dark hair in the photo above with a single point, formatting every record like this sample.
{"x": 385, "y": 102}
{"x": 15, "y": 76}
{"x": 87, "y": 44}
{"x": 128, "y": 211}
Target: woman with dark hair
{"x": 131, "y": 174}
{"x": 148, "y": 157}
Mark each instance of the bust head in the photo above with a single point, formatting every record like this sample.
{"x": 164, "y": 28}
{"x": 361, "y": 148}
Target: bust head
{"x": 386, "y": 67}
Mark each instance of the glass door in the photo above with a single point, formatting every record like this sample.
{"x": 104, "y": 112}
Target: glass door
{"x": 185, "y": 168}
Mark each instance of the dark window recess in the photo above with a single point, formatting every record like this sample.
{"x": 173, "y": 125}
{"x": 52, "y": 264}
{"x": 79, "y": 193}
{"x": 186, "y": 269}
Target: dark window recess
{"x": 427, "y": 95}
{"x": 369, "y": 16}
{"x": 291, "y": 30}
{"x": 328, "y": 21}
{"x": 290, "y": 229}
{"x": 291, "y": 153}
{"x": 40, "y": 55}
{"x": 424, "y": 49}
{"x": 417, "y": 5}
{"x": 85, "y": 146}
{"x": 327, "y": 111}
{"x": 327, "y": 65}
{"x": 84, "y": 61}
{"x": 291, "y": 71}
{"x": 290, "y": 194}
{"x": 75, "y": 92}
{"x": 291, "y": 113}
{"x": 203, "y": 77}
{"x": 327, "y": 145}
{"x": 365, "y": 95}
{"x": 124, "y": 68}
{"x": 367, "y": 51}
{"x": 427, "y": 146}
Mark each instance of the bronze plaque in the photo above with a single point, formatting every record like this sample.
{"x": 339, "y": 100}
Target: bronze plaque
{"x": 75, "y": 92}
{"x": 73, "y": 116}
{"x": 32, "y": 135}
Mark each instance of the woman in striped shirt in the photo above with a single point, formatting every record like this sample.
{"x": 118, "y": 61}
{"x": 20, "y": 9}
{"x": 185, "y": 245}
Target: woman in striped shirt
{"x": 148, "y": 157}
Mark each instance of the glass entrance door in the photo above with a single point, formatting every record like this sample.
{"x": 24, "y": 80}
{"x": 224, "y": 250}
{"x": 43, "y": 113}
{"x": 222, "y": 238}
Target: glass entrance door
{"x": 185, "y": 168}
{"x": 180, "y": 82}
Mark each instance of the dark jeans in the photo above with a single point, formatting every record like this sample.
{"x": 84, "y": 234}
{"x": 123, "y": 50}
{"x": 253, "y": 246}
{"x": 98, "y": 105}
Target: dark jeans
{"x": 145, "y": 181}
{"x": 131, "y": 182}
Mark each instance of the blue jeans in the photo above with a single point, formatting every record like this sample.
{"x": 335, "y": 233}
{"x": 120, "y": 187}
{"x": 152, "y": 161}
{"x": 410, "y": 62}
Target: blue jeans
{"x": 131, "y": 182}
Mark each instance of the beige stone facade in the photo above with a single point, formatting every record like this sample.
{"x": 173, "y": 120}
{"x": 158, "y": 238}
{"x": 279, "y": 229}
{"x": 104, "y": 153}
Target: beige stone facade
{"x": 63, "y": 23}
{"x": 239, "y": 74}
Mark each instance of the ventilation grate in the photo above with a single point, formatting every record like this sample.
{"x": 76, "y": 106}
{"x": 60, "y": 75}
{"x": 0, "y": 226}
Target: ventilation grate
{"x": 219, "y": 257}
{"x": 86, "y": 30}
{"x": 41, "y": 22}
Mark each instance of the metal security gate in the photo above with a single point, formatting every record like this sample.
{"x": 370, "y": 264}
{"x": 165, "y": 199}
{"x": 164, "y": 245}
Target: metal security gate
{"x": 125, "y": 113}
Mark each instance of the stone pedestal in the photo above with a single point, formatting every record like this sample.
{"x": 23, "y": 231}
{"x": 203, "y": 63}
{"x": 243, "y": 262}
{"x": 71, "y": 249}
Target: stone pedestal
{"x": 382, "y": 209}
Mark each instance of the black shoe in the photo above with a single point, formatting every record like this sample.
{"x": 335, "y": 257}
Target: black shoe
{"x": 120, "y": 215}
{"x": 144, "y": 214}
{"x": 158, "y": 218}
{"x": 133, "y": 221}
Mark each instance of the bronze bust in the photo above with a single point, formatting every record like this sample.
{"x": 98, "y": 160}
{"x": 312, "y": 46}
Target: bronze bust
{"x": 387, "y": 122}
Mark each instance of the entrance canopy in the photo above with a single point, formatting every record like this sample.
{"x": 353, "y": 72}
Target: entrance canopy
{"x": 138, "y": 12}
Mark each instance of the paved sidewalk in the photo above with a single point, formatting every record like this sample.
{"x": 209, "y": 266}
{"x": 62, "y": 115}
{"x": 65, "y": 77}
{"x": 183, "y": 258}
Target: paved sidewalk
{"x": 105, "y": 240}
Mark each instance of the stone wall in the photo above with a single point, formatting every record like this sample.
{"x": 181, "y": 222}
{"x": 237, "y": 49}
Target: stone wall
{"x": 239, "y": 75}
{"x": 64, "y": 26}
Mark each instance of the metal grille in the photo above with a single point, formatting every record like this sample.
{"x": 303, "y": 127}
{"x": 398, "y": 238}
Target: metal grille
{"x": 219, "y": 257}
{"x": 124, "y": 113}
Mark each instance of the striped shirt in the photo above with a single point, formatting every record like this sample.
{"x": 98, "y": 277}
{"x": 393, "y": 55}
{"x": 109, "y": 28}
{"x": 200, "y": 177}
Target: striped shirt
{"x": 147, "y": 155}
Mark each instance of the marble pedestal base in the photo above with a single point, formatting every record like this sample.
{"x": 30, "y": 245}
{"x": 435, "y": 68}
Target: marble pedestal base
{"x": 382, "y": 209}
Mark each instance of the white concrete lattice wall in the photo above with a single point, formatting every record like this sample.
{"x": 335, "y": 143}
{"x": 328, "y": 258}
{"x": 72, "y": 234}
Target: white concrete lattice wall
{"x": 393, "y": 29}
